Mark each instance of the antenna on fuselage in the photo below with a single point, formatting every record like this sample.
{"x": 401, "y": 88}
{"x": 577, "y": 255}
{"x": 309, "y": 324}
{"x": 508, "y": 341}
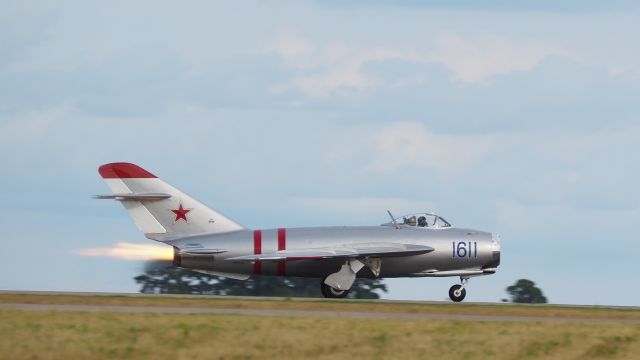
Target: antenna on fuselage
{"x": 393, "y": 220}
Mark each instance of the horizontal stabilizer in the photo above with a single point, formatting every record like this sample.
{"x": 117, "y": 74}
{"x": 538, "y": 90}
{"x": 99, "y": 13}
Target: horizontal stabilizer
{"x": 134, "y": 196}
{"x": 353, "y": 251}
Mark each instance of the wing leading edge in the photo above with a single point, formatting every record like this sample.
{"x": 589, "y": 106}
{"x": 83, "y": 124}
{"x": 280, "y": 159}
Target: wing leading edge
{"x": 353, "y": 251}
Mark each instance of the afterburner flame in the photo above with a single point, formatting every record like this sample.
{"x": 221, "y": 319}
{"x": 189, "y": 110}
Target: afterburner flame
{"x": 128, "y": 251}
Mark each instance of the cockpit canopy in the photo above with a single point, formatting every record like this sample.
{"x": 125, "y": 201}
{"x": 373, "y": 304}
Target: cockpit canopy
{"x": 421, "y": 220}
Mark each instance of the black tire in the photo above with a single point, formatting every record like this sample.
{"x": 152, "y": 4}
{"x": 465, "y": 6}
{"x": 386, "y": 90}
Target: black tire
{"x": 460, "y": 296}
{"x": 329, "y": 292}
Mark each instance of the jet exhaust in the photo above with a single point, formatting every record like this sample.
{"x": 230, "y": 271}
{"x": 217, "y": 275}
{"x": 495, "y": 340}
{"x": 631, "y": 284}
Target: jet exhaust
{"x": 129, "y": 251}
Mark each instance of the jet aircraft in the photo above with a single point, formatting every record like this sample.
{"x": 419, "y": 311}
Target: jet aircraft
{"x": 415, "y": 245}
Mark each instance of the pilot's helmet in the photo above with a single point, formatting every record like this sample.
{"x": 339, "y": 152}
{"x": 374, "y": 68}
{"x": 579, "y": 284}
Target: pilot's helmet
{"x": 422, "y": 221}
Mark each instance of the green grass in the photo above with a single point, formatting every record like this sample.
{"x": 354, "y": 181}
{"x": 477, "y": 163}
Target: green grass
{"x": 76, "y": 335}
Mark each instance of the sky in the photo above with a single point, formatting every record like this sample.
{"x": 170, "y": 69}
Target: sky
{"x": 521, "y": 118}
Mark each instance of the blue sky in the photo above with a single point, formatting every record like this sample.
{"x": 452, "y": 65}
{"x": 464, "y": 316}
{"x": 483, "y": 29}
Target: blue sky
{"x": 519, "y": 119}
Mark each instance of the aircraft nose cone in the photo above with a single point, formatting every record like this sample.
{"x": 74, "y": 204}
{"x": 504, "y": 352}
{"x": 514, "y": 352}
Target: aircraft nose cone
{"x": 495, "y": 250}
{"x": 495, "y": 242}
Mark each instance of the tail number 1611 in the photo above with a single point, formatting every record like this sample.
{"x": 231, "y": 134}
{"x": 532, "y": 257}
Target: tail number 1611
{"x": 462, "y": 249}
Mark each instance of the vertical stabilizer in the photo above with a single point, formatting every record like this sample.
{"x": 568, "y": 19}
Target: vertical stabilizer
{"x": 160, "y": 210}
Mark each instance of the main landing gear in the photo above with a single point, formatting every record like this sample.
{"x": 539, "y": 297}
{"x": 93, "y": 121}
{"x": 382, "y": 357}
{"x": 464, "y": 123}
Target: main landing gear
{"x": 458, "y": 292}
{"x": 337, "y": 285}
{"x": 329, "y": 292}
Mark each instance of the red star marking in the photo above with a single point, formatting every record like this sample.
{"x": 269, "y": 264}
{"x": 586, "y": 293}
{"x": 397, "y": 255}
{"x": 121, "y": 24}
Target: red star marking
{"x": 181, "y": 213}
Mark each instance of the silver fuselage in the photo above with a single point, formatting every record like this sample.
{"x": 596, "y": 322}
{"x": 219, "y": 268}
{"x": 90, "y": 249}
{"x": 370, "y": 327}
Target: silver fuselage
{"x": 457, "y": 252}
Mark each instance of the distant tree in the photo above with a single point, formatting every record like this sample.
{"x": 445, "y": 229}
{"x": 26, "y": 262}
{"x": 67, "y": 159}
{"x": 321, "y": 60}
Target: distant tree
{"x": 526, "y": 291}
{"x": 161, "y": 278}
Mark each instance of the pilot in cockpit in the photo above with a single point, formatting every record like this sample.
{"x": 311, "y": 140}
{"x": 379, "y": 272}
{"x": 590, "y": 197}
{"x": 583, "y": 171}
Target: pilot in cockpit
{"x": 422, "y": 221}
{"x": 410, "y": 221}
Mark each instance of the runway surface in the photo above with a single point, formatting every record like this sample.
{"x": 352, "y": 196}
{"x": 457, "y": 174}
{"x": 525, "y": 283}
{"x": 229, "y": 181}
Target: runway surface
{"x": 163, "y": 308}
{"x": 296, "y": 299}
{"x": 305, "y": 313}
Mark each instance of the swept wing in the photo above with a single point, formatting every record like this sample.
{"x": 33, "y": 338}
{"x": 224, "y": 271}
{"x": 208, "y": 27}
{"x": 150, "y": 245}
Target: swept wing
{"x": 351, "y": 251}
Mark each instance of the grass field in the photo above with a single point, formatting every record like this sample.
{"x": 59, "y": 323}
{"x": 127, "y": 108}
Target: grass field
{"x": 69, "y": 335}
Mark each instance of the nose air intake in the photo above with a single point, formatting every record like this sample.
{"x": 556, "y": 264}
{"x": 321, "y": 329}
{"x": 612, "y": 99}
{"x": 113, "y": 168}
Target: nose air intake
{"x": 495, "y": 252}
{"x": 495, "y": 241}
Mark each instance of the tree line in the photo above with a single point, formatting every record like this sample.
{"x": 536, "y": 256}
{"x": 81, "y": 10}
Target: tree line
{"x": 160, "y": 277}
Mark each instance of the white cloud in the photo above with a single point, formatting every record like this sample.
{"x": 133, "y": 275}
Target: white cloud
{"x": 410, "y": 144}
{"x": 321, "y": 70}
{"x": 296, "y": 51}
{"x": 324, "y": 69}
{"x": 478, "y": 58}
{"x": 617, "y": 70}
{"x": 584, "y": 170}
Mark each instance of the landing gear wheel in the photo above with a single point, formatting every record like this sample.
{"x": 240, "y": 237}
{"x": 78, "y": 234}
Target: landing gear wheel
{"x": 457, "y": 293}
{"x": 329, "y": 292}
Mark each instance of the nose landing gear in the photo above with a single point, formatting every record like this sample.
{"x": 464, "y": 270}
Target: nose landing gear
{"x": 458, "y": 292}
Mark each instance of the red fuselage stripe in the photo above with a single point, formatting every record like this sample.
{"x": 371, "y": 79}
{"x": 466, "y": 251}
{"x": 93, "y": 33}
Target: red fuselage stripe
{"x": 257, "y": 250}
{"x": 282, "y": 245}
